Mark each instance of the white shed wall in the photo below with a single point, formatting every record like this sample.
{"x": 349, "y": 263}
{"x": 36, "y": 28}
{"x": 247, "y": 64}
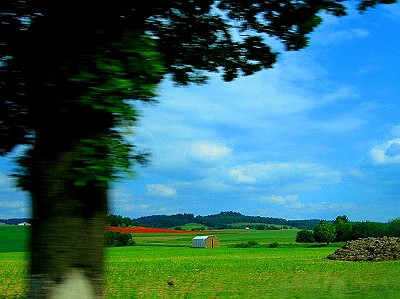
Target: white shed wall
{"x": 199, "y": 242}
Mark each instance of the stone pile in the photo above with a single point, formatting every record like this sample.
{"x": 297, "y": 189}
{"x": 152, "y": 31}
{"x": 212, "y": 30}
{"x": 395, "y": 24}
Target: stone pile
{"x": 369, "y": 249}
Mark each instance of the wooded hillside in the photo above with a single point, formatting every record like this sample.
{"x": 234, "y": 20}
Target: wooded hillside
{"x": 222, "y": 220}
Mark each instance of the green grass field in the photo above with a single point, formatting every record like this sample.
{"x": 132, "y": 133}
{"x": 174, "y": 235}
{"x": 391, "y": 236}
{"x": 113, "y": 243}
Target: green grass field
{"x": 289, "y": 271}
{"x": 13, "y": 238}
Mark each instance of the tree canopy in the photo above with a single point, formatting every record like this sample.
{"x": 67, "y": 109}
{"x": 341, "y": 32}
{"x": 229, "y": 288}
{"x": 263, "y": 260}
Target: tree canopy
{"x": 325, "y": 232}
{"x": 68, "y": 68}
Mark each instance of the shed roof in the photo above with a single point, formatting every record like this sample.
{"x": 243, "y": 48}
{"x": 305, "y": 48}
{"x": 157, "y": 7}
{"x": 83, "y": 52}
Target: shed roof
{"x": 201, "y": 237}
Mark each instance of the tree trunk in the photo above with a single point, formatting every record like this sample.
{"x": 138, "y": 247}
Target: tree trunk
{"x": 67, "y": 240}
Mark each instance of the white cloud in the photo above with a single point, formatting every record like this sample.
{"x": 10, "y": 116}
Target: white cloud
{"x": 161, "y": 190}
{"x": 14, "y": 208}
{"x": 387, "y": 152}
{"x": 287, "y": 200}
{"x": 331, "y": 206}
{"x": 341, "y": 93}
{"x": 12, "y": 204}
{"x": 283, "y": 173}
{"x": 356, "y": 173}
{"x": 335, "y": 37}
{"x": 291, "y": 205}
{"x": 119, "y": 194}
{"x": 209, "y": 151}
{"x": 342, "y": 123}
{"x": 135, "y": 208}
{"x": 238, "y": 175}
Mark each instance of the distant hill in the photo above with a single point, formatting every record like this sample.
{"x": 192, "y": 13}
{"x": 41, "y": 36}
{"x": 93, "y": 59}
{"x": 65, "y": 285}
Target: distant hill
{"x": 222, "y": 220}
{"x": 15, "y": 221}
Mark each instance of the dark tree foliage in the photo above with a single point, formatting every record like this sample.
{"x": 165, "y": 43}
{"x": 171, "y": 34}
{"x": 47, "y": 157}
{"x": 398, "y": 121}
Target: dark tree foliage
{"x": 164, "y": 221}
{"x": 305, "y": 236}
{"x": 304, "y": 224}
{"x": 116, "y": 239}
{"x": 346, "y": 230}
{"x": 118, "y": 220}
{"x": 325, "y": 232}
{"x": 50, "y": 46}
{"x": 368, "y": 229}
{"x": 343, "y": 229}
{"x": 69, "y": 71}
{"x": 221, "y": 220}
{"x": 394, "y": 228}
{"x": 258, "y": 227}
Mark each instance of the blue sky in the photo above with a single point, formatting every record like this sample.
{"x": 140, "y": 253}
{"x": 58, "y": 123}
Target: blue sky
{"x": 317, "y": 136}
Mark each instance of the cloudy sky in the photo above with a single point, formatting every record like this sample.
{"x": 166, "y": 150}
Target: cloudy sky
{"x": 317, "y": 136}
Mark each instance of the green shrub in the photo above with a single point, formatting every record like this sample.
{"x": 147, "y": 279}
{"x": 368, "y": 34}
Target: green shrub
{"x": 274, "y": 245}
{"x": 115, "y": 239}
{"x": 246, "y": 245}
{"x": 305, "y": 236}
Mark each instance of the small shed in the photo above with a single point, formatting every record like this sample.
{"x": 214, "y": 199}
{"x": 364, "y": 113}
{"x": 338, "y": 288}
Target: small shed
{"x": 205, "y": 242}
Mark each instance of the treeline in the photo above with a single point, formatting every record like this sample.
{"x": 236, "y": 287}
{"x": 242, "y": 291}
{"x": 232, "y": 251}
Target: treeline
{"x": 117, "y": 220}
{"x": 15, "y": 221}
{"x": 342, "y": 230}
{"x": 223, "y": 220}
{"x": 258, "y": 226}
{"x": 304, "y": 224}
{"x": 164, "y": 221}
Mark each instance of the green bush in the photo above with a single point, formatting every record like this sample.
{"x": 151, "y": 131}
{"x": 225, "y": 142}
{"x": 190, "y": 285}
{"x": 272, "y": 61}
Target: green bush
{"x": 305, "y": 236}
{"x": 252, "y": 243}
{"x": 274, "y": 245}
{"x": 115, "y": 239}
{"x": 246, "y": 245}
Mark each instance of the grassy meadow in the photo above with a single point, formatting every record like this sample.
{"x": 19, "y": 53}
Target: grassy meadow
{"x": 288, "y": 271}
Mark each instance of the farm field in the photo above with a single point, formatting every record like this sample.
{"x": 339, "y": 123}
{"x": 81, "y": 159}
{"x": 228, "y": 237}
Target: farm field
{"x": 288, "y": 271}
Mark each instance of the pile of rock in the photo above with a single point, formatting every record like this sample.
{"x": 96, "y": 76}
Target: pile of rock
{"x": 369, "y": 249}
